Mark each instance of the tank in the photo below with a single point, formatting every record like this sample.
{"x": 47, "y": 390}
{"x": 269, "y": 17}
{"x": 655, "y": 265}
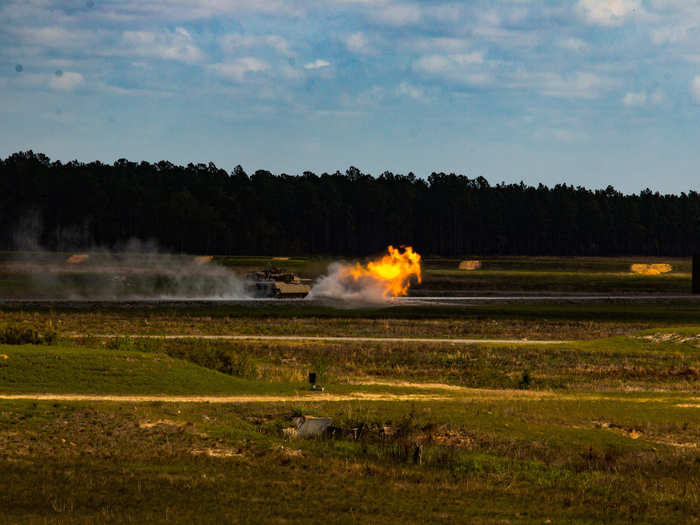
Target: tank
{"x": 283, "y": 284}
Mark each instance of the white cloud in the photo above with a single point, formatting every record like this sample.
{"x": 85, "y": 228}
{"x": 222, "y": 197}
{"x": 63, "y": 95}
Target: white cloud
{"x": 183, "y": 10}
{"x": 643, "y": 98}
{"x": 446, "y": 12}
{"x": 675, "y": 22}
{"x": 578, "y": 85}
{"x": 61, "y": 62}
{"x": 30, "y": 80}
{"x": 695, "y": 87}
{"x": 55, "y": 37}
{"x": 398, "y": 14}
{"x": 657, "y": 97}
{"x": 670, "y": 34}
{"x": 233, "y": 42}
{"x": 238, "y": 69}
{"x": 507, "y": 37}
{"x": 433, "y": 64}
{"x": 358, "y": 43}
{"x": 679, "y": 30}
{"x": 568, "y": 135}
{"x": 466, "y": 68}
{"x": 167, "y": 45}
{"x": 496, "y": 26}
{"x": 136, "y": 92}
{"x": 444, "y": 63}
{"x": 434, "y": 44}
{"x": 373, "y": 3}
{"x": 290, "y": 73}
{"x": 317, "y": 64}
{"x": 372, "y": 97}
{"x": 574, "y": 44}
{"x": 67, "y": 81}
{"x": 409, "y": 90}
{"x": 475, "y": 57}
{"x": 635, "y": 99}
{"x": 607, "y": 12}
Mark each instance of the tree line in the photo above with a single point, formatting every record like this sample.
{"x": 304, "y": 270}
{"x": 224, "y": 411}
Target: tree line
{"x": 200, "y": 208}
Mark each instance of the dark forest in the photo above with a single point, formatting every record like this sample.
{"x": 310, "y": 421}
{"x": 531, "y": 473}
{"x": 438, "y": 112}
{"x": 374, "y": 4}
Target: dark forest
{"x": 200, "y": 208}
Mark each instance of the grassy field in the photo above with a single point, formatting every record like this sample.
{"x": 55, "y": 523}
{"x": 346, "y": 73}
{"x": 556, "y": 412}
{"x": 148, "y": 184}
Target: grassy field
{"x": 559, "y": 320}
{"x": 485, "y": 460}
{"x": 46, "y": 275}
{"x": 603, "y": 427}
{"x": 71, "y": 369}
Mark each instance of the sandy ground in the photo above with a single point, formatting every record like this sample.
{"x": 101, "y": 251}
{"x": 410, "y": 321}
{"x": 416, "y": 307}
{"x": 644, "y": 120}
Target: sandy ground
{"x": 457, "y": 394}
{"x": 228, "y": 399}
{"x": 335, "y": 339}
{"x": 450, "y": 393}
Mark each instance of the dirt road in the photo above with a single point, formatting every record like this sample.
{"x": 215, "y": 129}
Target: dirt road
{"x": 228, "y": 399}
{"x": 343, "y": 339}
{"x": 475, "y": 393}
{"x": 456, "y": 394}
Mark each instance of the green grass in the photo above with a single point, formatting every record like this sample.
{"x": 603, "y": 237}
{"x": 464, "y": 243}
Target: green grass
{"x": 540, "y": 280}
{"x": 657, "y": 311}
{"x": 485, "y": 462}
{"x": 558, "y": 264}
{"x": 608, "y": 364}
{"x": 441, "y": 275}
{"x": 606, "y": 432}
{"x": 78, "y": 370}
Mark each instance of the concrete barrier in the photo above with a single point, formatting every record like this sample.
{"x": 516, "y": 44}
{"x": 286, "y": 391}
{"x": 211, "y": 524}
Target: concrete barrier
{"x": 309, "y": 426}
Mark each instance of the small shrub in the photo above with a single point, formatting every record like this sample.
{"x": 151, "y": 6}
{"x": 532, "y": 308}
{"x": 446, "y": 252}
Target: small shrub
{"x": 135, "y": 344}
{"x": 13, "y": 335}
{"x": 231, "y": 363}
{"x": 119, "y": 343}
{"x": 321, "y": 363}
{"x": 243, "y": 366}
{"x": 525, "y": 380}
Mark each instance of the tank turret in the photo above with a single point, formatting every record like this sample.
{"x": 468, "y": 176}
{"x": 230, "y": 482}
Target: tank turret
{"x": 275, "y": 282}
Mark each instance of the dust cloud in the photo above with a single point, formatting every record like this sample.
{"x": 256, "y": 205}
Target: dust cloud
{"x": 136, "y": 270}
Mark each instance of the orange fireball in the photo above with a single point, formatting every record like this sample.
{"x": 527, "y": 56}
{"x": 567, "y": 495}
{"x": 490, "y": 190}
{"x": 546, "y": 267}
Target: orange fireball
{"x": 393, "y": 271}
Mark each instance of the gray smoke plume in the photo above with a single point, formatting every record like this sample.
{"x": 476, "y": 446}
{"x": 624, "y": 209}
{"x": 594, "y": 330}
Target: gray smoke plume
{"x": 27, "y": 231}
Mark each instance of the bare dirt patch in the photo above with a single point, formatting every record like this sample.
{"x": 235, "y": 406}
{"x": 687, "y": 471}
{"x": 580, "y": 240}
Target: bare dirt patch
{"x": 222, "y": 452}
{"x": 166, "y": 422}
{"x": 672, "y": 337}
{"x": 636, "y": 433}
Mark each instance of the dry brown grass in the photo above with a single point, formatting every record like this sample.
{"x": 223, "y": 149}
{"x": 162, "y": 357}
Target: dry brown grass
{"x": 355, "y": 396}
{"x": 193, "y": 324}
{"x": 78, "y": 463}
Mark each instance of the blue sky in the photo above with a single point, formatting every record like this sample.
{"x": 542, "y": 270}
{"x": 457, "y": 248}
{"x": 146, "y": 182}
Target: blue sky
{"x": 588, "y": 92}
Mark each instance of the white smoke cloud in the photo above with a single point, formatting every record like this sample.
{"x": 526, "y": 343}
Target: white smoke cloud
{"x": 337, "y": 284}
